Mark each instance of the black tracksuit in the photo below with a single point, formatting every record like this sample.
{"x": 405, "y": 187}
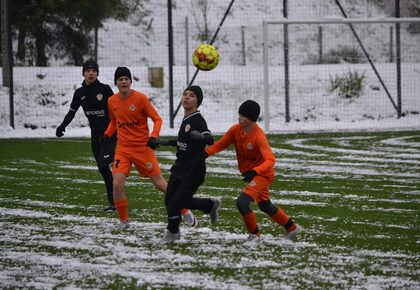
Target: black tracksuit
{"x": 93, "y": 99}
{"x": 188, "y": 172}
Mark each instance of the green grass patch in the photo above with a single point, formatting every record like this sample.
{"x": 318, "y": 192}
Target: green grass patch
{"x": 356, "y": 195}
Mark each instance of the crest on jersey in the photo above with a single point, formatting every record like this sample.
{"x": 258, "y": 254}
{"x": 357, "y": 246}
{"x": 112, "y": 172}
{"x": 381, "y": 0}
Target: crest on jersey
{"x": 132, "y": 108}
{"x": 252, "y": 183}
{"x": 187, "y": 128}
{"x": 99, "y": 97}
{"x": 149, "y": 165}
{"x": 249, "y": 146}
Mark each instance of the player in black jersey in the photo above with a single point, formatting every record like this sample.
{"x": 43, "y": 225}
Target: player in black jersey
{"x": 93, "y": 96}
{"x": 189, "y": 170}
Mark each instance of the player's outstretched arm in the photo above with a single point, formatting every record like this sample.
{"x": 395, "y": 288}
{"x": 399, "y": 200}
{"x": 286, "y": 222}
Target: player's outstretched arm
{"x": 67, "y": 120}
{"x": 202, "y": 137}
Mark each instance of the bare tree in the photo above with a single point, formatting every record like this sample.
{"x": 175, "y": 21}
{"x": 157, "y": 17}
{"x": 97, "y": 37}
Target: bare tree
{"x": 200, "y": 9}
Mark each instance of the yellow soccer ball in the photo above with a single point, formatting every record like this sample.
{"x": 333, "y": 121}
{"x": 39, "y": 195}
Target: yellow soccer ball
{"x": 205, "y": 57}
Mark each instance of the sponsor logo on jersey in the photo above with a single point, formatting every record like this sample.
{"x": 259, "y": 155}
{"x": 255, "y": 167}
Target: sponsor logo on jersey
{"x": 128, "y": 124}
{"x": 249, "y": 146}
{"x": 132, "y": 108}
{"x": 252, "y": 183}
{"x": 246, "y": 157}
{"x": 98, "y": 113}
{"x": 182, "y": 146}
{"x": 82, "y": 98}
{"x": 99, "y": 97}
{"x": 187, "y": 128}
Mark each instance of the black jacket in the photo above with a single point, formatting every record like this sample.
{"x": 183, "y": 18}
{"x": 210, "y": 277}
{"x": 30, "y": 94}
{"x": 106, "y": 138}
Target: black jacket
{"x": 187, "y": 164}
{"x": 94, "y": 101}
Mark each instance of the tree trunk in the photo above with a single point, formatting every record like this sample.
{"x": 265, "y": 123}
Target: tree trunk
{"x": 41, "y": 58}
{"x": 21, "y": 48}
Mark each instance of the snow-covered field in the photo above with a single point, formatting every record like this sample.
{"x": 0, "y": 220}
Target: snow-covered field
{"x": 355, "y": 195}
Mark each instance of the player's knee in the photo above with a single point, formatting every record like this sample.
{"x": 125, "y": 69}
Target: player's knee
{"x": 159, "y": 183}
{"x": 242, "y": 203}
{"x": 118, "y": 181}
{"x": 268, "y": 207}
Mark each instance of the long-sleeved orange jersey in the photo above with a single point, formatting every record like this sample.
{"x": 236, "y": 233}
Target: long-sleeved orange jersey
{"x": 252, "y": 149}
{"x": 129, "y": 118}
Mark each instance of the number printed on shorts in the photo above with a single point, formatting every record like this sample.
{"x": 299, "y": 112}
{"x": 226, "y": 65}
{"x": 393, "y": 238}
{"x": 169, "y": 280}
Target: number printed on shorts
{"x": 117, "y": 162}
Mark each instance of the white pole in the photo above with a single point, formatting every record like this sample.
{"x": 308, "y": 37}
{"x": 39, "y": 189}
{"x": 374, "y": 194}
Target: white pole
{"x": 187, "y": 54}
{"x": 266, "y": 83}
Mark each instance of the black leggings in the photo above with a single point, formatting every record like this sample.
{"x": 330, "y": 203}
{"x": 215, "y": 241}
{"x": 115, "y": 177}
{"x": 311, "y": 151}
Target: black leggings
{"x": 179, "y": 194}
{"x": 104, "y": 170}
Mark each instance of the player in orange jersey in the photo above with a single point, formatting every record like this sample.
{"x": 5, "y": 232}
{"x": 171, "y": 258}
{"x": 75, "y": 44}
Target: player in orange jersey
{"x": 129, "y": 111}
{"x": 256, "y": 164}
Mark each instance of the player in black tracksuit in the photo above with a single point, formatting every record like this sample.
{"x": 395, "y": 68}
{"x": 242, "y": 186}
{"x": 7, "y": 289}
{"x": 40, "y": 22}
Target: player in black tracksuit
{"x": 93, "y": 96}
{"x": 189, "y": 170}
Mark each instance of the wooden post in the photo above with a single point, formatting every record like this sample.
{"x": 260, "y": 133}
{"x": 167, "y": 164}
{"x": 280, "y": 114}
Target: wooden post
{"x": 155, "y": 76}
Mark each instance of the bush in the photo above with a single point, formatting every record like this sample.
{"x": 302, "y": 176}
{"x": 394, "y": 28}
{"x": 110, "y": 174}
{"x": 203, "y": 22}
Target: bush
{"x": 350, "y": 85}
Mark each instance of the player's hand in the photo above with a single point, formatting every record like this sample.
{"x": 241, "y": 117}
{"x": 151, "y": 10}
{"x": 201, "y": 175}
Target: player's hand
{"x": 103, "y": 139}
{"x": 60, "y": 131}
{"x": 249, "y": 175}
{"x": 195, "y": 135}
{"x": 153, "y": 143}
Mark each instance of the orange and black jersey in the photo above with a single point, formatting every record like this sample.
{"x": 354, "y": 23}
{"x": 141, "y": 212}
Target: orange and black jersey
{"x": 252, "y": 149}
{"x": 188, "y": 149}
{"x": 93, "y": 99}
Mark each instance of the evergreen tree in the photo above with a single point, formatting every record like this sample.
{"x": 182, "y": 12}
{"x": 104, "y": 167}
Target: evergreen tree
{"x": 61, "y": 29}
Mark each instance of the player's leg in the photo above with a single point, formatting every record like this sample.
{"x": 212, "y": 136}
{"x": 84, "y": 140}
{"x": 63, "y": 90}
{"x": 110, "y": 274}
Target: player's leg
{"x": 105, "y": 171}
{"x": 248, "y": 215}
{"x": 120, "y": 170}
{"x": 276, "y": 213}
{"x": 173, "y": 204}
{"x": 189, "y": 187}
{"x": 148, "y": 165}
{"x": 160, "y": 183}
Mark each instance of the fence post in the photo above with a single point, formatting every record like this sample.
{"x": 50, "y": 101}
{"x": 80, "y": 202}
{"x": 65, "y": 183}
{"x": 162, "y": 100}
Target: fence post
{"x": 7, "y": 56}
{"x": 320, "y": 52}
{"x": 170, "y": 66}
{"x": 398, "y": 57}
{"x": 243, "y": 44}
{"x": 266, "y": 81}
{"x": 391, "y": 44}
{"x": 187, "y": 51}
{"x": 286, "y": 62}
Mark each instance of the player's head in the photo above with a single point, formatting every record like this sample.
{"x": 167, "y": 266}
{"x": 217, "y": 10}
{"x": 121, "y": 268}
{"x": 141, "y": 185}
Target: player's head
{"x": 250, "y": 110}
{"x": 197, "y": 92}
{"x": 90, "y": 64}
{"x": 122, "y": 71}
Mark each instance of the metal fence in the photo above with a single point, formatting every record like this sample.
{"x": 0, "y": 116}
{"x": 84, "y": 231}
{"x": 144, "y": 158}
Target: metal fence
{"x": 345, "y": 70}
{"x": 142, "y": 43}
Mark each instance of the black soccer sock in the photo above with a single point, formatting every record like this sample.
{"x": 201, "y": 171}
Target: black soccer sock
{"x": 173, "y": 223}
